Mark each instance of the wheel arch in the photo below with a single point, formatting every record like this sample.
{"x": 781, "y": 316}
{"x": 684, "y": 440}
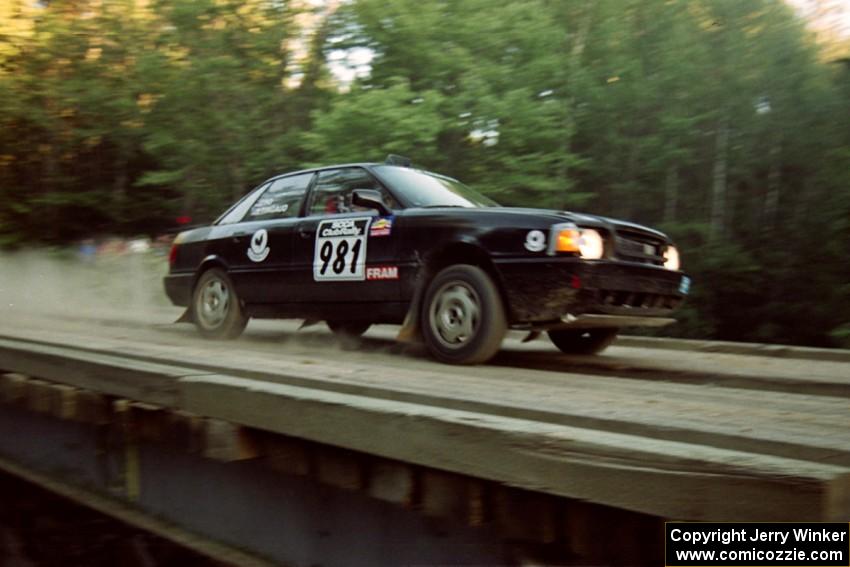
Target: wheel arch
{"x": 462, "y": 252}
{"x": 208, "y": 263}
{"x": 456, "y": 252}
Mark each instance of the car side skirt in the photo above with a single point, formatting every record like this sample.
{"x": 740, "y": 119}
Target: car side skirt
{"x": 592, "y": 321}
{"x": 387, "y": 312}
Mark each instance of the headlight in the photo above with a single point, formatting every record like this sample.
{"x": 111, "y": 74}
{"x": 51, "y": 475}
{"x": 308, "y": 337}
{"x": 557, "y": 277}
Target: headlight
{"x": 564, "y": 237}
{"x": 591, "y": 244}
{"x": 671, "y": 258}
{"x": 567, "y": 237}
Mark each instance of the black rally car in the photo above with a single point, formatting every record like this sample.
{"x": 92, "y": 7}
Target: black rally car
{"x": 369, "y": 243}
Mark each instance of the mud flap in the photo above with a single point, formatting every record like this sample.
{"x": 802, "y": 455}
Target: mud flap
{"x": 309, "y": 323}
{"x": 187, "y": 317}
{"x": 410, "y": 331}
{"x": 532, "y": 335}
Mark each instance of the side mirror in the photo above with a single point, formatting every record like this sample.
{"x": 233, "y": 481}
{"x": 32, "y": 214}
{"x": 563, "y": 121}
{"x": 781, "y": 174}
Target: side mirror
{"x": 370, "y": 199}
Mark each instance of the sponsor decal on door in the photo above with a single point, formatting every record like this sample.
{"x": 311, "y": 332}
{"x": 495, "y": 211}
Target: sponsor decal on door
{"x": 340, "y": 253}
{"x": 259, "y": 249}
{"x": 381, "y": 226}
{"x": 382, "y": 273}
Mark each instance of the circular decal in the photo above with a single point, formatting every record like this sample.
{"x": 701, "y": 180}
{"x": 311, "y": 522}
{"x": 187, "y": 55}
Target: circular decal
{"x": 259, "y": 249}
{"x": 535, "y": 241}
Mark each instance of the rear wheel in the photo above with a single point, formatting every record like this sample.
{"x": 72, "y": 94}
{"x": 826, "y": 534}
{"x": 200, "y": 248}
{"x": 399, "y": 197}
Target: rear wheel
{"x": 463, "y": 318}
{"x": 583, "y": 341}
{"x": 217, "y": 310}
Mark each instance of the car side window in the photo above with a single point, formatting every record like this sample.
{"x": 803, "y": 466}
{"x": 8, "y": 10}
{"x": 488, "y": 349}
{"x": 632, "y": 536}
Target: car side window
{"x": 282, "y": 199}
{"x": 332, "y": 194}
{"x": 237, "y": 212}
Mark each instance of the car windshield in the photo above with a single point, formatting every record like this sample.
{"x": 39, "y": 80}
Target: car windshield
{"x": 425, "y": 189}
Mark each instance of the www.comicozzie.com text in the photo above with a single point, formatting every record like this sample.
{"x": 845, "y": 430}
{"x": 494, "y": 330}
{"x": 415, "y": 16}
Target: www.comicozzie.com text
{"x": 743, "y": 534}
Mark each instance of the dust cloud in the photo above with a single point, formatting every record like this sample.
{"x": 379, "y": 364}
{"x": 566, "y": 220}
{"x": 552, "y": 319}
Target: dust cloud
{"x": 68, "y": 284}
{"x": 109, "y": 294}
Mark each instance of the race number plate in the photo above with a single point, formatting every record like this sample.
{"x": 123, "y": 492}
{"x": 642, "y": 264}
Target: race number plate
{"x": 340, "y": 253}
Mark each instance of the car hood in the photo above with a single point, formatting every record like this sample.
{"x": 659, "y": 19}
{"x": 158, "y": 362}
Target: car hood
{"x": 581, "y": 219}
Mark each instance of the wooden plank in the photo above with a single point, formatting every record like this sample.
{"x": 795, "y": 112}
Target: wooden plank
{"x": 116, "y": 376}
{"x": 749, "y": 349}
{"x": 472, "y": 428}
{"x": 664, "y": 478}
{"x": 227, "y": 442}
{"x": 781, "y": 424}
{"x": 811, "y": 377}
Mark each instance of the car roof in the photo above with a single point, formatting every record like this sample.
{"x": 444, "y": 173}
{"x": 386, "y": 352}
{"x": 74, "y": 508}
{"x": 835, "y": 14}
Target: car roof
{"x": 320, "y": 168}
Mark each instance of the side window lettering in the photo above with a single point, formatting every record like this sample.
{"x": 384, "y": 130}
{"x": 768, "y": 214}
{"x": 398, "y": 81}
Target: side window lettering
{"x": 237, "y": 213}
{"x": 333, "y": 191}
{"x": 282, "y": 200}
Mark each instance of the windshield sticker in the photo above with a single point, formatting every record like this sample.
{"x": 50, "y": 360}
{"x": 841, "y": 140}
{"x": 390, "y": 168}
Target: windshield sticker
{"x": 382, "y": 273}
{"x": 259, "y": 249}
{"x": 340, "y": 253}
{"x": 535, "y": 241}
{"x": 382, "y": 226}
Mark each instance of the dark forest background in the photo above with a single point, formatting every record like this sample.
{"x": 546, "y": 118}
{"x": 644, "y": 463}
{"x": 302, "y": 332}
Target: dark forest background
{"x": 725, "y": 123}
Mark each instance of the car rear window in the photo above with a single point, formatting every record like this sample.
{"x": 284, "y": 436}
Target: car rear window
{"x": 282, "y": 199}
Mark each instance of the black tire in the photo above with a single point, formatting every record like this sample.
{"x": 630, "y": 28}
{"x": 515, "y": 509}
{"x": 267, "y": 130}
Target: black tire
{"x": 348, "y": 328}
{"x": 463, "y": 318}
{"x": 217, "y": 310}
{"x": 583, "y": 341}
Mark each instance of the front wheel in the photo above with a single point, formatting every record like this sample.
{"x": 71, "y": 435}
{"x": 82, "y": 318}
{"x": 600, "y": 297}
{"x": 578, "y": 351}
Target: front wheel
{"x": 463, "y": 318}
{"x": 216, "y": 308}
{"x": 583, "y": 341}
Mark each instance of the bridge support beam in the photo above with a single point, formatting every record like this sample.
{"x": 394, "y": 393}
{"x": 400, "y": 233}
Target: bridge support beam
{"x": 220, "y": 487}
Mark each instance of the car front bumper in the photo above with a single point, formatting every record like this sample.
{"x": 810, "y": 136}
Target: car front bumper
{"x": 554, "y": 292}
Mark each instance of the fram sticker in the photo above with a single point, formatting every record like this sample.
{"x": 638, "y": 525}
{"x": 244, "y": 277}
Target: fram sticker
{"x": 382, "y": 226}
{"x": 382, "y": 273}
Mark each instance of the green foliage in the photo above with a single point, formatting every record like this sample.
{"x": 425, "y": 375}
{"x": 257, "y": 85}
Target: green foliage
{"x": 118, "y": 116}
{"x": 370, "y": 123}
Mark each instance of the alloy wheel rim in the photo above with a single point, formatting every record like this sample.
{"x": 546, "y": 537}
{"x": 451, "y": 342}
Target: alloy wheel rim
{"x": 455, "y": 314}
{"x": 213, "y": 304}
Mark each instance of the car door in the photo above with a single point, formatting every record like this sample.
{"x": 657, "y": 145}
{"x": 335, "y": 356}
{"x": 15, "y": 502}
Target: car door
{"x": 260, "y": 251}
{"x": 344, "y": 253}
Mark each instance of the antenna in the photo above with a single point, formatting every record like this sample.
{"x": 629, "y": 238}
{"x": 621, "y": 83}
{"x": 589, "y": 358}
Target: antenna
{"x": 393, "y": 159}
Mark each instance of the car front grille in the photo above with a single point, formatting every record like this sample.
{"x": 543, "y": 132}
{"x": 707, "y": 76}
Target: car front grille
{"x": 637, "y": 300}
{"x": 637, "y": 246}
